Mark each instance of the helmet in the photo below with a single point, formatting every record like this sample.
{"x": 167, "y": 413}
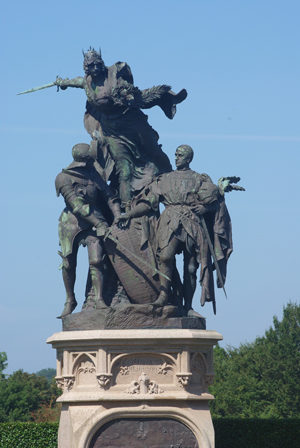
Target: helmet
{"x": 82, "y": 152}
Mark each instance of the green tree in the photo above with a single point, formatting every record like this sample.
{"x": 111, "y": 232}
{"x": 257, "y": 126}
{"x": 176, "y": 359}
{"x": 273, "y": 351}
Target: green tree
{"x": 3, "y": 363}
{"x": 261, "y": 379}
{"x": 47, "y": 373}
{"x": 22, "y": 394}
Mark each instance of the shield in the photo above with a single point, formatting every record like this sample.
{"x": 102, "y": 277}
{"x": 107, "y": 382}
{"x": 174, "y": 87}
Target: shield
{"x": 138, "y": 280}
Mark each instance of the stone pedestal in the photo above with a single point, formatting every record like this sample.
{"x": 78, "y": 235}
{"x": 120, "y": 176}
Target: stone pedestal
{"x": 137, "y": 388}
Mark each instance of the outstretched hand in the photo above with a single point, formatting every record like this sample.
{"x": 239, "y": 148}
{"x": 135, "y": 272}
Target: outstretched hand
{"x": 122, "y": 221}
{"x": 59, "y": 82}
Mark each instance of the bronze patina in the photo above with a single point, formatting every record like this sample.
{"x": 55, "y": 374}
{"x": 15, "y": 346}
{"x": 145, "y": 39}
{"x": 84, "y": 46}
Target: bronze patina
{"x": 132, "y": 256}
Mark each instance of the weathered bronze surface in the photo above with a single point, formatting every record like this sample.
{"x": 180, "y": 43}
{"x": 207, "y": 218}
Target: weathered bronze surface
{"x": 112, "y": 190}
{"x": 131, "y": 153}
{"x": 144, "y": 433}
{"x": 195, "y": 221}
{"x": 132, "y": 316}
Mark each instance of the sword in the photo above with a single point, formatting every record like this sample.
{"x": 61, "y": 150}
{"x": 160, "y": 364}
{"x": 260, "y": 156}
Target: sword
{"x": 204, "y": 226}
{"x": 118, "y": 243}
{"x": 45, "y": 86}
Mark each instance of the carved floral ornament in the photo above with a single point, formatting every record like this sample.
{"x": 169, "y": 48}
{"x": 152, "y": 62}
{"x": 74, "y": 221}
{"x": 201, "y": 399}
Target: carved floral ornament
{"x": 143, "y": 386}
{"x": 86, "y": 367}
{"x": 162, "y": 370}
{"x": 124, "y": 370}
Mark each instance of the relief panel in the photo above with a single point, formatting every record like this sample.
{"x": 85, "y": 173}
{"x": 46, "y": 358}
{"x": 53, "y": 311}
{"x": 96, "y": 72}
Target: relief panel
{"x": 128, "y": 369}
{"x": 198, "y": 369}
{"x": 144, "y": 432}
{"x": 85, "y": 372}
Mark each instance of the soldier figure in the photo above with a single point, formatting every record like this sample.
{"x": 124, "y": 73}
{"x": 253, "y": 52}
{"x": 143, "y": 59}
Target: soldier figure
{"x": 187, "y": 195}
{"x": 90, "y": 207}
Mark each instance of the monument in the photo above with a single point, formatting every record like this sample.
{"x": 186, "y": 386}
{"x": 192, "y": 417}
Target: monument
{"x": 136, "y": 362}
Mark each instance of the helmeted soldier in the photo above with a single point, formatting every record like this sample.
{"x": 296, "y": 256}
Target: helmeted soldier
{"x": 90, "y": 207}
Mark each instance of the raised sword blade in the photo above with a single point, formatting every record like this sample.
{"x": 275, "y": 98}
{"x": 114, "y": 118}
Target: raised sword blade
{"x": 35, "y": 89}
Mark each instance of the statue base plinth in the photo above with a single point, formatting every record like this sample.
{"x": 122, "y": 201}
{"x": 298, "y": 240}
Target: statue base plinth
{"x": 132, "y": 316}
{"x": 142, "y": 387}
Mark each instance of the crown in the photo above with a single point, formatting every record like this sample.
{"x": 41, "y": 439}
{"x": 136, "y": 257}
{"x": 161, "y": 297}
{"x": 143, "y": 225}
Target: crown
{"x": 92, "y": 50}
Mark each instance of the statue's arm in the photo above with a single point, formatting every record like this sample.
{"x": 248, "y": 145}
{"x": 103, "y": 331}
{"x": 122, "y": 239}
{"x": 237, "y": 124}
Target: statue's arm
{"x": 139, "y": 210}
{"x": 65, "y": 83}
{"x": 79, "y": 206}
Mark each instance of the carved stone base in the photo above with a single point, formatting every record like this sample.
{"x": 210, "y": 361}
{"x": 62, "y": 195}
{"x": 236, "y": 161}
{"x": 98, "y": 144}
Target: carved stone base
{"x": 135, "y": 387}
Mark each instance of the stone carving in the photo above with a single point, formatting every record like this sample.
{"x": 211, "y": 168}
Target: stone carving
{"x": 143, "y": 381}
{"x": 144, "y": 386}
{"x": 183, "y": 379}
{"x": 103, "y": 379}
{"x": 124, "y": 370}
{"x": 60, "y": 382}
{"x": 68, "y": 382}
{"x": 86, "y": 367}
{"x": 209, "y": 379}
{"x": 163, "y": 369}
{"x": 134, "y": 388}
{"x": 198, "y": 369}
{"x": 154, "y": 388}
{"x": 128, "y": 369}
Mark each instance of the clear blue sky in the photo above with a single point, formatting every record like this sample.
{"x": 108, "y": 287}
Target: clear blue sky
{"x": 239, "y": 62}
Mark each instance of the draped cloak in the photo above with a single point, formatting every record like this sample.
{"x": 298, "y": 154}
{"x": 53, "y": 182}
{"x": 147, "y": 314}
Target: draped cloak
{"x": 179, "y": 191}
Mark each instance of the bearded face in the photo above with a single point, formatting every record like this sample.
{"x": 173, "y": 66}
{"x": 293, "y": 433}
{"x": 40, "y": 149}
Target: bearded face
{"x": 93, "y": 64}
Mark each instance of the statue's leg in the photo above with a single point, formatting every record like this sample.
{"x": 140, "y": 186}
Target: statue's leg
{"x": 96, "y": 252}
{"x": 167, "y": 256}
{"x": 189, "y": 278}
{"x": 120, "y": 155}
{"x": 69, "y": 277}
{"x": 149, "y": 143}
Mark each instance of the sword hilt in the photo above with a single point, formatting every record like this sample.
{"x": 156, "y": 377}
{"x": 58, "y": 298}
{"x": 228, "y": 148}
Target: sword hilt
{"x": 58, "y": 85}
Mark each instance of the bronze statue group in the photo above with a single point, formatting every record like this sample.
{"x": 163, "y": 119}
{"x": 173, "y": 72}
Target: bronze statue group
{"x": 112, "y": 191}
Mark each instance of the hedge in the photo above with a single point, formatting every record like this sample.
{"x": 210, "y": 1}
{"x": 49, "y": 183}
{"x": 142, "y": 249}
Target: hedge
{"x": 229, "y": 433}
{"x": 257, "y": 433}
{"x": 28, "y": 435}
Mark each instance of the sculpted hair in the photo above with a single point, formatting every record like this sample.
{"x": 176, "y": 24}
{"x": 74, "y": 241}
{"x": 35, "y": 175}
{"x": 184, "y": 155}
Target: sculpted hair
{"x": 187, "y": 151}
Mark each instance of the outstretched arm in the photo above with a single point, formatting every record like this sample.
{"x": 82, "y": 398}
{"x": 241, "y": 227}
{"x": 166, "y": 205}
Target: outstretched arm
{"x": 65, "y": 83}
{"x": 140, "y": 210}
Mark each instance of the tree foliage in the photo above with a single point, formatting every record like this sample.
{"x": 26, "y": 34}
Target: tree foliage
{"x": 3, "y": 363}
{"x": 47, "y": 373}
{"x": 261, "y": 379}
{"x": 22, "y": 394}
